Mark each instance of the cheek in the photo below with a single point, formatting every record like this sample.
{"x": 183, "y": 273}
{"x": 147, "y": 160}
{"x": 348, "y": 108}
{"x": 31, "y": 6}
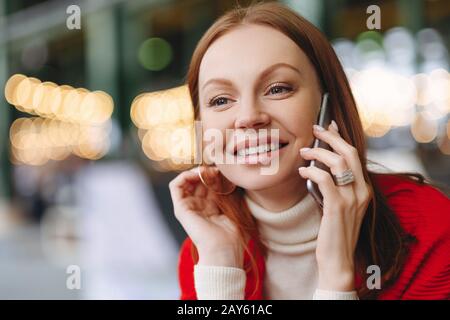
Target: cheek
{"x": 296, "y": 122}
{"x": 213, "y": 133}
{"x": 298, "y": 119}
{"x": 216, "y": 120}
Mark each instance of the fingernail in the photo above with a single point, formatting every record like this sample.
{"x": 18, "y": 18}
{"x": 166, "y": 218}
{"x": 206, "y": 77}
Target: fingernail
{"x": 318, "y": 128}
{"x": 304, "y": 149}
{"x": 334, "y": 124}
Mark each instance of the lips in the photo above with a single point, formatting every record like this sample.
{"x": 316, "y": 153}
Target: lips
{"x": 257, "y": 144}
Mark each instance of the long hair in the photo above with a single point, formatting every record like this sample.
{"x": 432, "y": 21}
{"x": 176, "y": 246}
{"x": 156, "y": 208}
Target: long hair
{"x": 382, "y": 240}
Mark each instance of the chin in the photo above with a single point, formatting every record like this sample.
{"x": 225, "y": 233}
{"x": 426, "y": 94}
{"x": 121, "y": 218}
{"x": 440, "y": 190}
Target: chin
{"x": 250, "y": 177}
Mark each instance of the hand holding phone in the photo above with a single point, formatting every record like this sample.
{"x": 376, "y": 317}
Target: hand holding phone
{"x": 323, "y": 120}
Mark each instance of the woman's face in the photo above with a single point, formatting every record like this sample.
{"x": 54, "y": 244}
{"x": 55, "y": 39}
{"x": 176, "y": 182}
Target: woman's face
{"x": 255, "y": 77}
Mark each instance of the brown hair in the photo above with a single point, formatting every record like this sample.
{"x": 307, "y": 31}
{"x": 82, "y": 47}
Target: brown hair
{"x": 382, "y": 240}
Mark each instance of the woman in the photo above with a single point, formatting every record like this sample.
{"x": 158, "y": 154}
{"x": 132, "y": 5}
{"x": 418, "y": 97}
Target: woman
{"x": 265, "y": 67}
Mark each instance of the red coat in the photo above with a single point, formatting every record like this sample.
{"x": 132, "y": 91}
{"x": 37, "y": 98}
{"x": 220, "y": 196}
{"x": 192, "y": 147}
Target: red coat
{"x": 422, "y": 210}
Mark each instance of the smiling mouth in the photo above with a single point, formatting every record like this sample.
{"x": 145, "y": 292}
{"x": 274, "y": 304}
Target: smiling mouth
{"x": 260, "y": 149}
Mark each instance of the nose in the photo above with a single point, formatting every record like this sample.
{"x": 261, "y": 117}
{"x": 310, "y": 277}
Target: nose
{"x": 250, "y": 115}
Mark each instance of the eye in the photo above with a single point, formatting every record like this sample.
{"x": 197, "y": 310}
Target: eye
{"x": 219, "y": 101}
{"x": 277, "y": 88}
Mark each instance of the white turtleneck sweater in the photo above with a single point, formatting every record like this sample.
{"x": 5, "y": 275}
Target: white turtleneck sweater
{"x": 291, "y": 267}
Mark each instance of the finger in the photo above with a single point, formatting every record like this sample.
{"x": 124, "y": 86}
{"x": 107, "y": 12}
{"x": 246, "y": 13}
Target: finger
{"x": 200, "y": 191}
{"x": 177, "y": 185}
{"x": 323, "y": 180}
{"x": 191, "y": 212}
{"x": 363, "y": 193}
{"x": 335, "y": 162}
{"x": 360, "y": 186}
{"x": 342, "y": 147}
{"x": 207, "y": 208}
{"x": 210, "y": 179}
{"x": 192, "y": 221}
{"x": 211, "y": 209}
{"x": 333, "y": 126}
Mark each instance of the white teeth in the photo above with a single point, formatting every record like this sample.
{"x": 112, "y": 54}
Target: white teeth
{"x": 259, "y": 149}
{"x": 274, "y": 146}
{"x": 251, "y": 150}
{"x": 262, "y": 148}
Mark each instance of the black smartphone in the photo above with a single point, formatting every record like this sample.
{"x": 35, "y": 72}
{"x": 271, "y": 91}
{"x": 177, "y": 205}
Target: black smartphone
{"x": 323, "y": 120}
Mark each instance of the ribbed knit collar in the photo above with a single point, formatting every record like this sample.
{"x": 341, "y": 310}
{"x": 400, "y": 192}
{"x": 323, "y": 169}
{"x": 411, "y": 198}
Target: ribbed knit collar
{"x": 291, "y": 231}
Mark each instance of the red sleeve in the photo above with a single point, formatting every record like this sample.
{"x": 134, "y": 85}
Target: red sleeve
{"x": 253, "y": 288}
{"x": 424, "y": 212}
{"x": 186, "y": 272}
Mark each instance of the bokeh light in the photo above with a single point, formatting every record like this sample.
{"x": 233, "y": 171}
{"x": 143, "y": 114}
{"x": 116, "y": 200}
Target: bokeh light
{"x": 155, "y": 54}
{"x": 391, "y": 90}
{"x": 165, "y": 122}
{"x": 36, "y": 140}
{"x": 64, "y": 103}
{"x": 68, "y": 121}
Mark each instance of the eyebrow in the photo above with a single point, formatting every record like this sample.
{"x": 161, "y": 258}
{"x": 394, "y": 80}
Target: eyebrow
{"x": 263, "y": 74}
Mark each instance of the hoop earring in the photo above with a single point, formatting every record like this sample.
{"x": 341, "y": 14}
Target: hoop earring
{"x": 218, "y": 180}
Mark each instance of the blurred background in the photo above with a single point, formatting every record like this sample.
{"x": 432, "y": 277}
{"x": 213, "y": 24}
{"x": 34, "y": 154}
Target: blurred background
{"x": 91, "y": 189}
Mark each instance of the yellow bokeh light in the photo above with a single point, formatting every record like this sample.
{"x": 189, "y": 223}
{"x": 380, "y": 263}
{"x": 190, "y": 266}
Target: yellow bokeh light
{"x": 443, "y": 144}
{"x": 87, "y": 107}
{"x": 162, "y": 108}
{"x": 54, "y": 101}
{"x": 165, "y": 126}
{"x": 148, "y": 148}
{"x": 35, "y": 141}
{"x": 104, "y": 108}
{"x": 25, "y": 92}
{"x": 182, "y": 144}
{"x": 135, "y": 115}
{"x": 384, "y": 99}
{"x": 64, "y": 103}
{"x": 71, "y": 121}
{"x": 424, "y": 128}
{"x": 11, "y": 87}
{"x": 41, "y": 98}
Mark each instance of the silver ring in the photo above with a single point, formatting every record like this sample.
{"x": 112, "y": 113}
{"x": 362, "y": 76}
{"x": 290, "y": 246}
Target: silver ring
{"x": 343, "y": 178}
